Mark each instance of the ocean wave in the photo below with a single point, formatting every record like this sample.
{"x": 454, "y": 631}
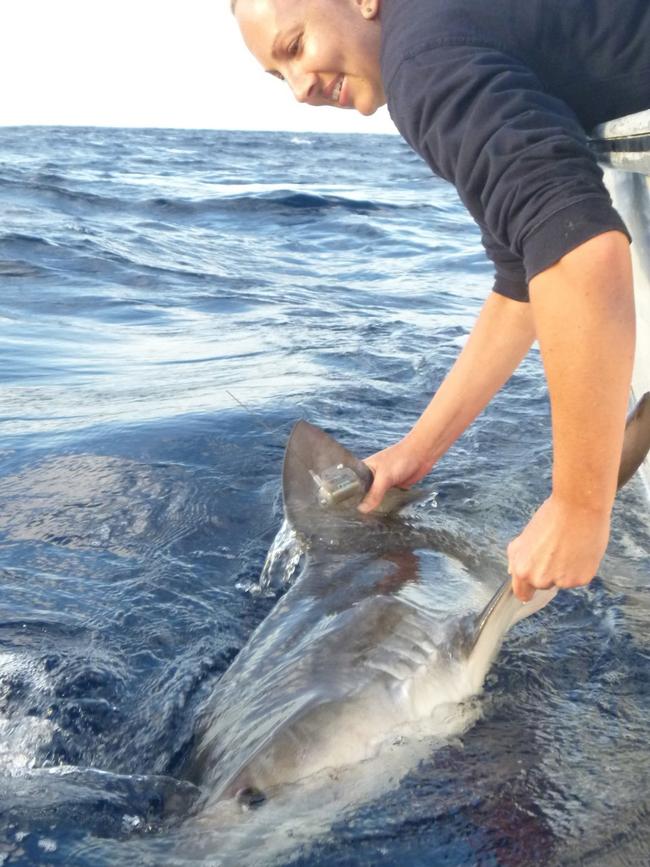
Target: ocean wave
{"x": 80, "y": 201}
{"x": 17, "y": 268}
{"x": 276, "y": 201}
{"x": 57, "y": 194}
{"x": 19, "y": 254}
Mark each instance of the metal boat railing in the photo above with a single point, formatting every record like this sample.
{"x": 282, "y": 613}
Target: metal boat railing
{"x": 623, "y": 149}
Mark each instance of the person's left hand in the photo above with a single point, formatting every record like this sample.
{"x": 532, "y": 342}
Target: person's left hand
{"x": 562, "y": 545}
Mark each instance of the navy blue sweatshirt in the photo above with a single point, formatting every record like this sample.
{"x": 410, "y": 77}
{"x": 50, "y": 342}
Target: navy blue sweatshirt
{"x": 497, "y": 95}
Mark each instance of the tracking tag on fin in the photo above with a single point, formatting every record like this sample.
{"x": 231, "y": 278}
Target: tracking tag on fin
{"x": 317, "y": 470}
{"x": 337, "y": 484}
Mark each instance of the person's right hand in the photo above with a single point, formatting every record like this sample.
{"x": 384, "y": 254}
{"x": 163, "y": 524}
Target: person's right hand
{"x": 400, "y": 465}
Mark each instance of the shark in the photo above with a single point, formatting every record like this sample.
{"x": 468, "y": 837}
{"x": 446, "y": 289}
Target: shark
{"x": 383, "y": 639}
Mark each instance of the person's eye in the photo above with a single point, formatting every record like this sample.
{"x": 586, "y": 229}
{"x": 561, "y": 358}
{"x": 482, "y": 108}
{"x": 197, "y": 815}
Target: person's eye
{"x": 294, "y": 47}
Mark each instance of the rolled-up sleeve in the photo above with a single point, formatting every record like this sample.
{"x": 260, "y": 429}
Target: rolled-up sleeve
{"x": 517, "y": 155}
{"x": 509, "y": 274}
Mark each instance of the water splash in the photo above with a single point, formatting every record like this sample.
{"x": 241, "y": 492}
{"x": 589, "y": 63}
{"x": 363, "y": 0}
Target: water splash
{"x": 282, "y": 560}
{"x": 22, "y": 735}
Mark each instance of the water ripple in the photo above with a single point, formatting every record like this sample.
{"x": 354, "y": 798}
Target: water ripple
{"x": 172, "y": 302}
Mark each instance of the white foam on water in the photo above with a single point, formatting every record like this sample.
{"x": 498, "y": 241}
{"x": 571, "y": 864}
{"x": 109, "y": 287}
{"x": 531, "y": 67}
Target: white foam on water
{"x": 22, "y": 736}
{"x": 282, "y": 560}
{"x": 47, "y": 844}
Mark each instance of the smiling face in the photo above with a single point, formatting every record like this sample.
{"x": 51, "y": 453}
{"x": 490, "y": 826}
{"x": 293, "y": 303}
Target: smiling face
{"x": 326, "y": 50}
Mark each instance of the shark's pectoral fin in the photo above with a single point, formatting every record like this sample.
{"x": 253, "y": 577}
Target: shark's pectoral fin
{"x": 504, "y": 609}
{"x": 636, "y": 443}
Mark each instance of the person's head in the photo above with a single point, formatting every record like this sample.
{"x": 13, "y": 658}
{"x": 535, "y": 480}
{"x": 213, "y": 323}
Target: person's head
{"x": 326, "y": 50}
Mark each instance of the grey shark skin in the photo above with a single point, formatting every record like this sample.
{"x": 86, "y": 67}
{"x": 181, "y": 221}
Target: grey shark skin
{"x": 637, "y": 440}
{"x": 360, "y": 650}
{"x": 357, "y": 651}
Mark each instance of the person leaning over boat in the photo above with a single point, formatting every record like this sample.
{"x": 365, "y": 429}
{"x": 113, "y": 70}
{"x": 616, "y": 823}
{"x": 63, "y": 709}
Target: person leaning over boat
{"x": 496, "y": 97}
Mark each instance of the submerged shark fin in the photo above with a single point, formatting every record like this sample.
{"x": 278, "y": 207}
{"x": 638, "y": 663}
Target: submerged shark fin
{"x": 313, "y": 462}
{"x": 490, "y": 627}
{"x": 504, "y": 609}
{"x": 636, "y": 442}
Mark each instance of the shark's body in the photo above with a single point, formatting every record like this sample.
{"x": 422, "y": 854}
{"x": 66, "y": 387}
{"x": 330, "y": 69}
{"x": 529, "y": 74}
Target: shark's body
{"x": 379, "y": 637}
{"x": 376, "y": 634}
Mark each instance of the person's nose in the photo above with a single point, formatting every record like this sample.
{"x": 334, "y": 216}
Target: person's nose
{"x": 304, "y": 86}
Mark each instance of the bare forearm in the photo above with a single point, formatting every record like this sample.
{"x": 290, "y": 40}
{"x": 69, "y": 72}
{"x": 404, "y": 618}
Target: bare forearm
{"x": 583, "y": 310}
{"x": 500, "y": 339}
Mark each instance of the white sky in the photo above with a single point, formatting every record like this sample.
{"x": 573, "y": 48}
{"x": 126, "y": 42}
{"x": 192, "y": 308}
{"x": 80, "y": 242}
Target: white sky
{"x": 167, "y": 63}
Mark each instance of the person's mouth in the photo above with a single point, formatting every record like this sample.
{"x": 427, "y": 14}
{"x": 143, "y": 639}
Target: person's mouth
{"x": 334, "y": 90}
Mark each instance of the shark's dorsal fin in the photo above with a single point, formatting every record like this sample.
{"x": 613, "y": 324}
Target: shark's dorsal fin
{"x": 310, "y": 453}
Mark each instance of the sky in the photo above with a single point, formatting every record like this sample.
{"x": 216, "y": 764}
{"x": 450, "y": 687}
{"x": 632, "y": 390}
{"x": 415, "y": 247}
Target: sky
{"x": 162, "y": 63}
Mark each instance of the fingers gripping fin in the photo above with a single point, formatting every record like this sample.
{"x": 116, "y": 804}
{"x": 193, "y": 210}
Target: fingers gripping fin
{"x": 504, "y": 606}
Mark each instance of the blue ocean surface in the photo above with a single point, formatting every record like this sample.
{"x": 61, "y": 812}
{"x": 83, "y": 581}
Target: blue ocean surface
{"x": 171, "y": 303}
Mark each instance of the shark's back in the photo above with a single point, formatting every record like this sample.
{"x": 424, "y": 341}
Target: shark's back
{"x": 378, "y": 633}
{"x": 360, "y": 648}
{"x": 383, "y": 635}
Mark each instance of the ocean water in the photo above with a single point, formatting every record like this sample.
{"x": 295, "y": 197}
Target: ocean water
{"x": 172, "y": 302}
